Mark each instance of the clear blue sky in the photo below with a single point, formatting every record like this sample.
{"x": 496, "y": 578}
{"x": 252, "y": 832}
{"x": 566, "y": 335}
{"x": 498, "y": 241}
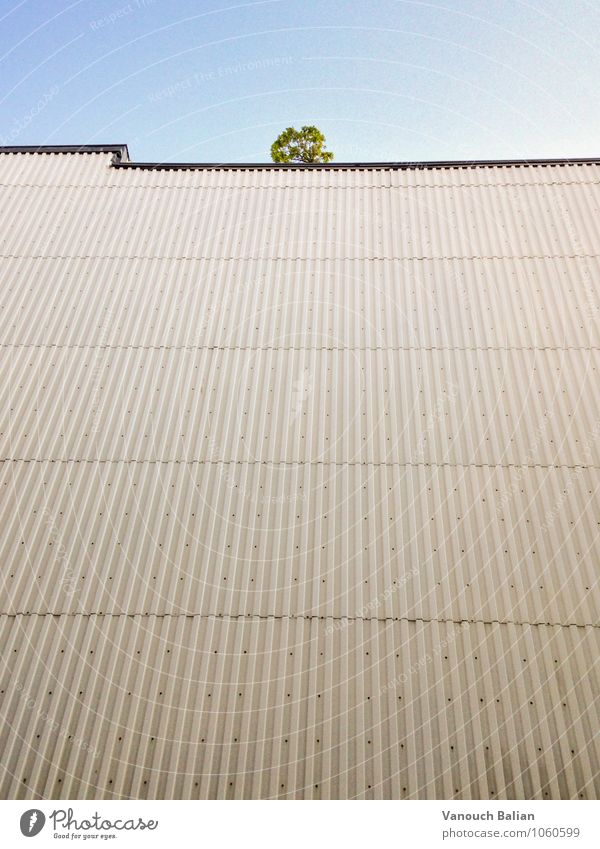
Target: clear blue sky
{"x": 391, "y": 80}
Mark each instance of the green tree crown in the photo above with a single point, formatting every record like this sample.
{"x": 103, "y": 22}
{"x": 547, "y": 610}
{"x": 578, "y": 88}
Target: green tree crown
{"x": 305, "y": 145}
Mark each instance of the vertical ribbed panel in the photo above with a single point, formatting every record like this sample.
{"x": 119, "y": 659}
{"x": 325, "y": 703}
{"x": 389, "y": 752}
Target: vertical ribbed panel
{"x": 372, "y": 303}
{"x": 300, "y": 222}
{"x": 420, "y": 541}
{"x": 194, "y": 707}
{"x": 299, "y": 477}
{"x": 456, "y": 407}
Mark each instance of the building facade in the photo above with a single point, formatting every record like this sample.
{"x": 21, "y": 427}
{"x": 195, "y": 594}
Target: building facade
{"x": 300, "y": 474}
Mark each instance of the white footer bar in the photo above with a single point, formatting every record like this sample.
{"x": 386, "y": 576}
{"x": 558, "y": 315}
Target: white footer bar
{"x": 301, "y": 825}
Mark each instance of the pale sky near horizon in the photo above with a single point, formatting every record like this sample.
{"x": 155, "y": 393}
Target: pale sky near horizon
{"x": 385, "y": 81}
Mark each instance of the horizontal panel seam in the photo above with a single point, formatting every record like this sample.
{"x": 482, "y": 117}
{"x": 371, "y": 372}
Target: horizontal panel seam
{"x": 304, "y": 258}
{"x": 224, "y": 185}
{"x": 303, "y": 463}
{"x": 301, "y": 347}
{"x": 299, "y": 616}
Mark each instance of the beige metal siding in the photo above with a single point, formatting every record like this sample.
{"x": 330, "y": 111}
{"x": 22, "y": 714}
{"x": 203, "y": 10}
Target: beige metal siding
{"x": 462, "y": 303}
{"x": 300, "y": 476}
{"x": 94, "y": 169}
{"x": 459, "y": 407}
{"x": 198, "y": 707}
{"x": 301, "y": 223}
{"x": 425, "y": 542}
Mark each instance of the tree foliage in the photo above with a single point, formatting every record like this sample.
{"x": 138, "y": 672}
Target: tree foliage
{"x": 306, "y": 145}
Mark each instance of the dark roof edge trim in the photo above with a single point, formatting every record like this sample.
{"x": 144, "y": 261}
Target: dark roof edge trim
{"x": 121, "y": 160}
{"x": 364, "y": 166}
{"x": 119, "y": 150}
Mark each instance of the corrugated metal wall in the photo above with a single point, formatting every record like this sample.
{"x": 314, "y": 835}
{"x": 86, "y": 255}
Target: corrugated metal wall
{"x": 300, "y": 476}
